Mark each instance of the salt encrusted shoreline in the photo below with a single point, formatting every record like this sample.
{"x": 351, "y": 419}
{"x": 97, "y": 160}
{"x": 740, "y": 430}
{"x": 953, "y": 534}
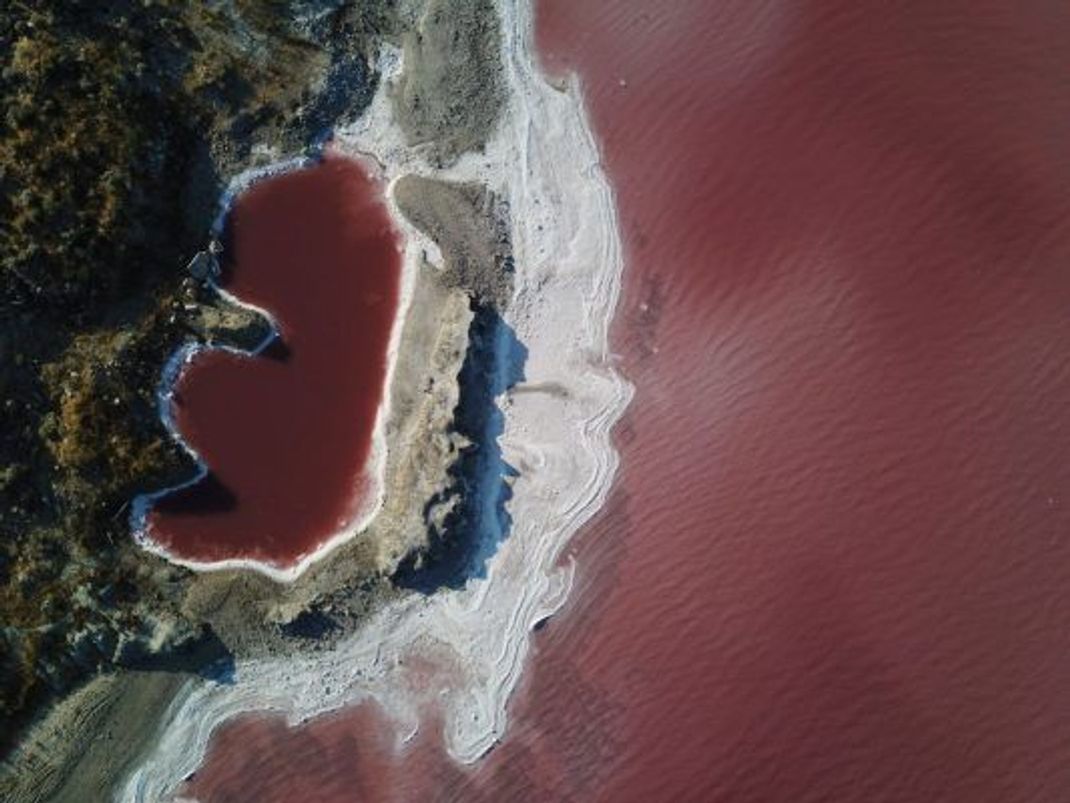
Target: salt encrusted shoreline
{"x": 375, "y": 472}
{"x": 545, "y": 162}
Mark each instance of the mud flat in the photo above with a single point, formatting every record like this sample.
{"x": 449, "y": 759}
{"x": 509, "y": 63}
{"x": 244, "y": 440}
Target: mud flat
{"x": 542, "y": 162}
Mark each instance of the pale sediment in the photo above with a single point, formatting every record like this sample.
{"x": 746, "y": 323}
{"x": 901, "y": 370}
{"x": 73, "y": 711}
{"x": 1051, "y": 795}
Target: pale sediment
{"x": 447, "y": 100}
{"x": 543, "y": 164}
{"x": 122, "y": 711}
{"x": 248, "y": 609}
{"x": 472, "y": 227}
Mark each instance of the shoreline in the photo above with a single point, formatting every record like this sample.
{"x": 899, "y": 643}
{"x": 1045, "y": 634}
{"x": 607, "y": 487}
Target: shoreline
{"x": 374, "y": 471}
{"x": 568, "y": 258}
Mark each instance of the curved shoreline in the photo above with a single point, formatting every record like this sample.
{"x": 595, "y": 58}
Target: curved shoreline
{"x": 375, "y": 467}
{"x": 544, "y": 160}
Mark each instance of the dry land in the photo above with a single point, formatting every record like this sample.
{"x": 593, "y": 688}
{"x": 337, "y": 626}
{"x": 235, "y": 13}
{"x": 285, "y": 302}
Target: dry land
{"x": 449, "y": 97}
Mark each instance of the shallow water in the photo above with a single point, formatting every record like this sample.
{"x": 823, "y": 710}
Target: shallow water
{"x": 836, "y": 565}
{"x": 287, "y": 434}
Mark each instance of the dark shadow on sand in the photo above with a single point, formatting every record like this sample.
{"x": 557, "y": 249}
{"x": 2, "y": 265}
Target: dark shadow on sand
{"x": 205, "y": 656}
{"x": 480, "y": 484}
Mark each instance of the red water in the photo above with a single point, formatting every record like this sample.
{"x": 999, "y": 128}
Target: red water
{"x": 286, "y": 435}
{"x": 836, "y": 566}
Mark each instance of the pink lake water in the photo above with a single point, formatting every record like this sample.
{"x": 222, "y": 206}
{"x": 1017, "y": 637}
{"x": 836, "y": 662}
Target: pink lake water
{"x": 286, "y": 434}
{"x": 836, "y": 564}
